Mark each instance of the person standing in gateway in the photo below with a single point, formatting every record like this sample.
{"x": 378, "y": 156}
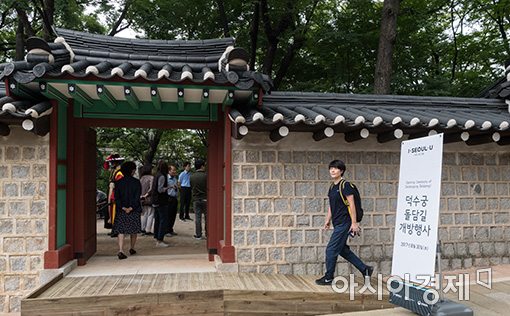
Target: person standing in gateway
{"x": 185, "y": 192}
{"x": 344, "y": 221}
{"x": 198, "y": 182}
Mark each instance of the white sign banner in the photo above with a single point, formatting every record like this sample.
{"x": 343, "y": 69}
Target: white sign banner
{"x": 416, "y": 221}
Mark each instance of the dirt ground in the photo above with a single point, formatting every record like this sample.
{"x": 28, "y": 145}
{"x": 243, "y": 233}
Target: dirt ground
{"x": 183, "y": 243}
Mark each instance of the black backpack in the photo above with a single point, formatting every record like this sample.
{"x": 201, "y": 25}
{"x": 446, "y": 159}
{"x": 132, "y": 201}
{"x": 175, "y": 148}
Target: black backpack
{"x": 357, "y": 199}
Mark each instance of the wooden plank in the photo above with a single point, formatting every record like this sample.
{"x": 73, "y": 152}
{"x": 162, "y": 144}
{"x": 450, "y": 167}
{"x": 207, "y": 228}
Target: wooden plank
{"x": 44, "y": 287}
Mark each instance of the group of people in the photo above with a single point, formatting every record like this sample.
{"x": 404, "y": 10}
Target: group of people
{"x": 149, "y": 205}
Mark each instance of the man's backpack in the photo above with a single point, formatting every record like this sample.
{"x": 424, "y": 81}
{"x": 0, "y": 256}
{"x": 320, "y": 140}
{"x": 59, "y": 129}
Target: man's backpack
{"x": 357, "y": 199}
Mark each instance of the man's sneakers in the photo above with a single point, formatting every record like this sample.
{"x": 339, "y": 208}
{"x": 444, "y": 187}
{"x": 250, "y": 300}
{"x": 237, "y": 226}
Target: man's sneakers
{"x": 368, "y": 271}
{"x": 161, "y": 244}
{"x": 324, "y": 281}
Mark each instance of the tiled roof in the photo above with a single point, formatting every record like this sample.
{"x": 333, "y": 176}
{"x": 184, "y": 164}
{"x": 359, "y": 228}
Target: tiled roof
{"x": 360, "y": 115}
{"x": 80, "y": 55}
{"x": 33, "y": 115}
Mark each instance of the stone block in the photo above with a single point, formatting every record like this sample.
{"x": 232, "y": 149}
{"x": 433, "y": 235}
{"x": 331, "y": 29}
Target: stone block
{"x": 318, "y": 220}
{"x": 248, "y": 172}
{"x": 468, "y": 233}
{"x": 36, "y": 263}
{"x": 314, "y": 269}
{"x": 252, "y": 238}
{"x": 275, "y": 254}
{"x": 237, "y": 206}
{"x": 493, "y": 174}
{"x": 29, "y": 282}
{"x": 23, "y": 227}
{"x": 487, "y": 218}
{"x": 481, "y": 262}
{"x": 12, "y": 283}
{"x": 378, "y": 220}
{"x": 254, "y": 189}
{"x": 13, "y": 245}
{"x": 276, "y": 172}
{"x": 284, "y": 157}
{"x": 474, "y": 249}
{"x": 446, "y": 219}
{"x": 474, "y": 219}
{"x": 385, "y": 234}
{"x": 40, "y": 171}
{"x": 263, "y": 172}
{"x": 250, "y": 206}
{"x": 28, "y": 153}
{"x": 304, "y": 189}
{"x": 492, "y": 204}
{"x": 292, "y": 254}
{"x": 6, "y": 227}
{"x": 455, "y": 233}
{"x": 504, "y": 203}
{"x": 284, "y": 268}
{"x": 236, "y": 172}
{"x": 466, "y": 204}
{"x": 28, "y": 189}
{"x": 448, "y": 250}
{"x": 42, "y": 188}
{"x": 501, "y": 218}
{"x": 12, "y": 153}
{"x": 244, "y": 255}
{"x": 288, "y": 220}
{"x": 18, "y": 264}
{"x": 482, "y": 174}
{"x": 443, "y": 233}
{"x": 481, "y": 233}
{"x": 460, "y": 249}
{"x": 281, "y": 205}
{"x": 299, "y": 269}
{"x": 314, "y": 157}
{"x": 287, "y": 188}
{"x": 270, "y": 188}
{"x": 310, "y": 173}
{"x": 252, "y": 156}
{"x": 495, "y": 261}
{"x": 361, "y": 173}
{"x": 4, "y": 172}
{"x": 240, "y": 189}
{"x": 350, "y": 157}
{"x": 282, "y": 237}
{"x": 266, "y": 237}
{"x": 390, "y": 220}
{"x": 453, "y": 204}
{"x": 369, "y": 158}
{"x": 265, "y": 206}
{"x": 368, "y": 189}
{"x": 501, "y": 248}
{"x": 324, "y": 174}
{"x": 303, "y": 221}
{"x": 296, "y": 237}
{"x": 297, "y": 206}
{"x": 299, "y": 157}
{"x": 370, "y": 235}
{"x": 450, "y": 158}
{"x": 249, "y": 268}
{"x": 312, "y": 237}
{"x": 456, "y": 263}
{"x": 239, "y": 238}
{"x": 20, "y": 172}
{"x": 464, "y": 159}
{"x": 502, "y": 189}
{"x": 368, "y": 204}
{"x": 381, "y": 205}
{"x": 268, "y": 156}
{"x": 257, "y": 221}
{"x": 377, "y": 173}
{"x": 313, "y": 205}
{"x": 3, "y": 264}
{"x": 467, "y": 263}
{"x": 487, "y": 249}
{"x": 309, "y": 254}
{"x": 377, "y": 252}
{"x": 497, "y": 233}
{"x": 36, "y": 244}
{"x": 11, "y": 190}
{"x": 241, "y": 221}
{"x": 260, "y": 254}
{"x": 274, "y": 221}
{"x": 448, "y": 189}
{"x": 267, "y": 269}
{"x": 292, "y": 172}
{"x": 461, "y": 218}
{"x": 462, "y": 189}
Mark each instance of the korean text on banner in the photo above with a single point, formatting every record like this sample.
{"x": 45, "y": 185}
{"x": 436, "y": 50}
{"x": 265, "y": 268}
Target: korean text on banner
{"x": 416, "y": 223}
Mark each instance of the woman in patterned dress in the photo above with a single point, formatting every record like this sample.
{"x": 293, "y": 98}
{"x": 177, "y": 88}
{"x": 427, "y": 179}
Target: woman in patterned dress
{"x": 129, "y": 209}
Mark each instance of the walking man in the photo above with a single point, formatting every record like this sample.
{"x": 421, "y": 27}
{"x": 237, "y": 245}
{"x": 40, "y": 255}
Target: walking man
{"x": 185, "y": 192}
{"x": 198, "y": 182}
{"x": 343, "y": 217}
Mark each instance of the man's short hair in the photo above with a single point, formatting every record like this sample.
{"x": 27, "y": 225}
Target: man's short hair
{"x": 339, "y": 164}
{"x": 127, "y": 168}
{"x": 199, "y": 163}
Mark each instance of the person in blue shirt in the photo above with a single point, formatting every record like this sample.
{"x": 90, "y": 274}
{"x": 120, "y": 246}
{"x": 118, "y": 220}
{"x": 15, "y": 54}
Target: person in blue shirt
{"x": 185, "y": 192}
{"x": 172, "y": 199}
{"x": 343, "y": 217}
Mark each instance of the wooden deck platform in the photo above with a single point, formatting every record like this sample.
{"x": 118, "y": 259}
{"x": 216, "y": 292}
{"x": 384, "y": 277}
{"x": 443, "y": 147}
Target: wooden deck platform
{"x": 212, "y": 293}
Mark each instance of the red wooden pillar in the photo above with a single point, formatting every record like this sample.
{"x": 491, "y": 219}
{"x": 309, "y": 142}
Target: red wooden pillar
{"x": 226, "y": 250}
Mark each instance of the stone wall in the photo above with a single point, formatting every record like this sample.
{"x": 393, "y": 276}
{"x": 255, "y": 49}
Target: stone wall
{"x": 24, "y": 160}
{"x": 279, "y": 202}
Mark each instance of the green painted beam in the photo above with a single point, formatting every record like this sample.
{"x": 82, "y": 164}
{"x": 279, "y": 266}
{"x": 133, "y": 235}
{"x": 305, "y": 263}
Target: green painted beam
{"x": 156, "y": 98}
{"x": 52, "y": 93}
{"x": 205, "y": 100}
{"x": 131, "y": 97}
{"x": 229, "y": 99}
{"x": 61, "y": 217}
{"x": 106, "y": 96}
{"x": 22, "y": 91}
{"x": 78, "y": 94}
{"x": 180, "y": 99}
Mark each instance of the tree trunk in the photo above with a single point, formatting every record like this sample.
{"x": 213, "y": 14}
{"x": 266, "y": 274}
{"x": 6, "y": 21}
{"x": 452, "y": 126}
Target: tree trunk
{"x": 387, "y": 38}
{"x": 20, "y": 41}
{"x": 223, "y": 18}
{"x": 48, "y": 12}
{"x": 153, "y": 147}
{"x": 116, "y": 26}
{"x": 254, "y": 34}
